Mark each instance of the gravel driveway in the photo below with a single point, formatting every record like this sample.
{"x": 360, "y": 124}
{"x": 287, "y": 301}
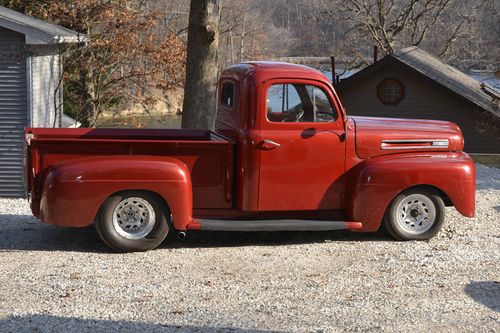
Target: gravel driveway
{"x": 55, "y": 280}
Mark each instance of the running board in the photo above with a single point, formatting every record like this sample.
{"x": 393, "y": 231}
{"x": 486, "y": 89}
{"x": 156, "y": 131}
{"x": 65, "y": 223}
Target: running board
{"x": 274, "y": 225}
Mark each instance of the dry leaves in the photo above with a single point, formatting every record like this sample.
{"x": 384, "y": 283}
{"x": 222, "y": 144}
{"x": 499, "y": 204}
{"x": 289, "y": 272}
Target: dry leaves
{"x": 126, "y": 56}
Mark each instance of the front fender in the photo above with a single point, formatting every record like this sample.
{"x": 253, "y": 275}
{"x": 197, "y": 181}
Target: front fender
{"x": 375, "y": 183}
{"x": 74, "y": 190}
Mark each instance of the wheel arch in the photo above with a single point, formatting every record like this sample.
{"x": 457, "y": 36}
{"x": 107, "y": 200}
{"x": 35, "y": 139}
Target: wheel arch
{"x": 84, "y": 186}
{"x": 376, "y": 182}
{"x": 442, "y": 194}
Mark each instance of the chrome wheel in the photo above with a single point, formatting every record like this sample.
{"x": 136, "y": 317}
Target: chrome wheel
{"x": 416, "y": 214}
{"x": 134, "y": 218}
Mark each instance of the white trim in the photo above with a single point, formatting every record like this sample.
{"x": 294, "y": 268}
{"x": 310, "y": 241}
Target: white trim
{"x": 29, "y": 89}
{"x": 61, "y": 88}
{"x": 38, "y": 31}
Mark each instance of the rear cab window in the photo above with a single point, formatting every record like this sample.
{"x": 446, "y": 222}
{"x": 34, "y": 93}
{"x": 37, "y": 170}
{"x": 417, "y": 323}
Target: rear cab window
{"x": 227, "y": 94}
{"x": 228, "y": 113}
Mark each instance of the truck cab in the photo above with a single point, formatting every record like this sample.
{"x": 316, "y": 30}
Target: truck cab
{"x": 290, "y": 128}
{"x": 283, "y": 155}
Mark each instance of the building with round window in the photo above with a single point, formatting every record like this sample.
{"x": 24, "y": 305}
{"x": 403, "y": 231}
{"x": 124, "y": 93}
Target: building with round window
{"x": 414, "y": 84}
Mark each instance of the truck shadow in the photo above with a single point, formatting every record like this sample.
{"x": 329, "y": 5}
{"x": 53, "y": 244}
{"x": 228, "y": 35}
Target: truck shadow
{"x": 24, "y": 233}
{"x": 210, "y": 239}
{"x": 486, "y": 293}
{"x": 48, "y": 323}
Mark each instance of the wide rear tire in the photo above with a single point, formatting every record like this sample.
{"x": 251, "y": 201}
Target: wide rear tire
{"x": 416, "y": 214}
{"x": 133, "y": 221}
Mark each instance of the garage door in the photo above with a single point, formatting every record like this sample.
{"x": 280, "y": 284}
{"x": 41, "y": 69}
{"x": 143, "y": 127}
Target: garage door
{"x": 13, "y": 113}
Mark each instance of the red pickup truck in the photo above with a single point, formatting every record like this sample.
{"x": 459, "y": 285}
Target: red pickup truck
{"x": 283, "y": 156}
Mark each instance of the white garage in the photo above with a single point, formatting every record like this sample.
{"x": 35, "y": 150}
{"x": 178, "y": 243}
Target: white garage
{"x": 30, "y": 89}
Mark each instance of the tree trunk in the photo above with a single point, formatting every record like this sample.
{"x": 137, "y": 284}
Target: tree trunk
{"x": 87, "y": 112}
{"x": 201, "y": 67}
{"x": 241, "y": 55}
{"x": 231, "y": 52}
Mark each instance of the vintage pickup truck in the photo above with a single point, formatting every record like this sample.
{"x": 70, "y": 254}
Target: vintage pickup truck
{"x": 283, "y": 156}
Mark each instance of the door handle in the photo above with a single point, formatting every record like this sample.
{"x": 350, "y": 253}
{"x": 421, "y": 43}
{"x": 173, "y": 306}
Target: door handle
{"x": 269, "y": 144}
{"x": 272, "y": 143}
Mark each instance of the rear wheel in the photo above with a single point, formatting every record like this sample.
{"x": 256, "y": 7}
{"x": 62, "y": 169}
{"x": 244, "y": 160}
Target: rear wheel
{"x": 133, "y": 221}
{"x": 416, "y": 214}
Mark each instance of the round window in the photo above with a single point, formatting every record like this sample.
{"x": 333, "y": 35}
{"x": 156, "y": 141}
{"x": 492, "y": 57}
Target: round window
{"x": 390, "y": 91}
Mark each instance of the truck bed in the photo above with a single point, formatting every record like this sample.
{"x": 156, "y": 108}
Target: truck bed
{"x": 208, "y": 155}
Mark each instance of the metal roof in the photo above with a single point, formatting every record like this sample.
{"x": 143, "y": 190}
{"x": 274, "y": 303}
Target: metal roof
{"x": 68, "y": 122}
{"x": 37, "y": 31}
{"x": 449, "y": 77}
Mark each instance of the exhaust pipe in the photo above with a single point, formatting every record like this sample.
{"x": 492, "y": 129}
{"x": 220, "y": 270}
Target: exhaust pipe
{"x": 181, "y": 235}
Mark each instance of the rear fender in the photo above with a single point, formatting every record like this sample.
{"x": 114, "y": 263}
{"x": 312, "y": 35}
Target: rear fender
{"x": 74, "y": 190}
{"x": 375, "y": 183}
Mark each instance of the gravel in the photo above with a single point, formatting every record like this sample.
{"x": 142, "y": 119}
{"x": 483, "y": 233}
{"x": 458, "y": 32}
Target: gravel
{"x": 60, "y": 279}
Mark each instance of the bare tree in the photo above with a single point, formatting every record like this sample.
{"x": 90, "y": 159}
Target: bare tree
{"x": 242, "y": 30}
{"x": 201, "y": 66}
{"x": 476, "y": 43}
{"x": 392, "y": 22}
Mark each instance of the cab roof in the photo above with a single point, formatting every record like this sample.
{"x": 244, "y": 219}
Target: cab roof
{"x": 264, "y": 70}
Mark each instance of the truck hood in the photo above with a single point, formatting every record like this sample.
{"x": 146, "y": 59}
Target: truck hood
{"x": 382, "y": 136}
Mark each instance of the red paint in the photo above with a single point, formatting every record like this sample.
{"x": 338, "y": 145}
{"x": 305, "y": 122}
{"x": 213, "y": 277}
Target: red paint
{"x": 375, "y": 182}
{"x": 370, "y": 132}
{"x": 319, "y": 171}
{"x": 74, "y": 190}
{"x": 354, "y": 225}
{"x": 305, "y": 172}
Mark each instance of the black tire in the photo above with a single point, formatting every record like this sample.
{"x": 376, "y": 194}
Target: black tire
{"x": 123, "y": 240}
{"x": 402, "y": 225}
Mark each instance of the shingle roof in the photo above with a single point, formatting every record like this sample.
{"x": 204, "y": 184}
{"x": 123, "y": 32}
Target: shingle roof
{"x": 37, "y": 31}
{"x": 450, "y": 77}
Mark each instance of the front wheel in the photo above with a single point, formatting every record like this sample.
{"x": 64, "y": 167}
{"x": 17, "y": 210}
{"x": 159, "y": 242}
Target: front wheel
{"x": 415, "y": 215}
{"x": 133, "y": 221}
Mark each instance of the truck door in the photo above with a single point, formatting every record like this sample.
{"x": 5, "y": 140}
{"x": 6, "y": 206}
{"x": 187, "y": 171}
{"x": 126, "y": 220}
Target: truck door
{"x": 302, "y": 148}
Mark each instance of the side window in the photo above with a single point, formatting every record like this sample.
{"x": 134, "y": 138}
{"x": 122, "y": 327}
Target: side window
{"x": 227, "y": 94}
{"x": 324, "y": 112}
{"x": 298, "y": 103}
{"x": 284, "y": 103}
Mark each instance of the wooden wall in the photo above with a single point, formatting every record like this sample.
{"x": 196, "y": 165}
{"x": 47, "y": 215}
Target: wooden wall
{"x": 424, "y": 99}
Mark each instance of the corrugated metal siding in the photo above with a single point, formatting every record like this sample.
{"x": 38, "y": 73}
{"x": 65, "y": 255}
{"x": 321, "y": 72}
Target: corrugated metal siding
{"x": 13, "y": 113}
{"x": 423, "y": 99}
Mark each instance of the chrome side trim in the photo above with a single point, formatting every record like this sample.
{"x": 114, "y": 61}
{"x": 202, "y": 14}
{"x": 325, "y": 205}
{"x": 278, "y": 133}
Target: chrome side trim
{"x": 410, "y": 144}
